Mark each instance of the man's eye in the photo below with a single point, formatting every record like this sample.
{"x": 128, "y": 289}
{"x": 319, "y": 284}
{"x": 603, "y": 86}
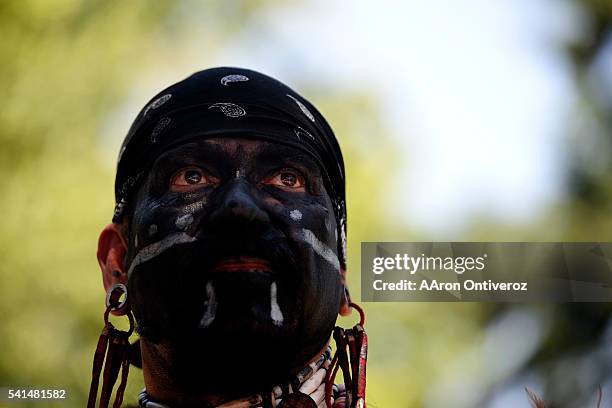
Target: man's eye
{"x": 188, "y": 178}
{"x": 288, "y": 179}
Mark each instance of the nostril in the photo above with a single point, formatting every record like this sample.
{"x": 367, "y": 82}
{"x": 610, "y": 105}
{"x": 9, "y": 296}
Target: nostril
{"x": 238, "y": 208}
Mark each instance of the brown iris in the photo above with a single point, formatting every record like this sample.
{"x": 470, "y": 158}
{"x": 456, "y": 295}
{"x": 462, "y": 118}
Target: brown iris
{"x": 288, "y": 179}
{"x": 190, "y": 178}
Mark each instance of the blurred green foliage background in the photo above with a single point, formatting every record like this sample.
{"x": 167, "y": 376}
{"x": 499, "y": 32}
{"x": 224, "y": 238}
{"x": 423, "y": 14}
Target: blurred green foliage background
{"x": 74, "y": 73}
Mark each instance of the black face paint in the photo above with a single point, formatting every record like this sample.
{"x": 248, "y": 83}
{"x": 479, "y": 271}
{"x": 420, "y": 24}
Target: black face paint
{"x": 239, "y": 274}
{"x": 229, "y": 103}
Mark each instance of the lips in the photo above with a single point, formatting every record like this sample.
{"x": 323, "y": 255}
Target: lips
{"x": 242, "y": 264}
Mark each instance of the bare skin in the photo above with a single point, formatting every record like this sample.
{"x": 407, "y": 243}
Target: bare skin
{"x": 113, "y": 247}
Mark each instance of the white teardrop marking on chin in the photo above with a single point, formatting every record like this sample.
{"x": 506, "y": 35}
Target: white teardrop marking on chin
{"x": 275, "y": 313}
{"x": 210, "y": 306}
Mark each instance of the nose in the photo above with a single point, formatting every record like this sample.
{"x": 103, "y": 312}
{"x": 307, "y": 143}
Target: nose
{"x": 238, "y": 209}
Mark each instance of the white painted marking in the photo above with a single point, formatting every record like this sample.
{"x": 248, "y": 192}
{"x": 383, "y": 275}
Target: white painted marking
{"x": 184, "y": 221}
{"x": 151, "y": 251}
{"x": 275, "y": 313}
{"x": 194, "y": 207}
{"x": 295, "y": 215}
{"x": 136, "y": 241}
{"x": 210, "y": 306}
{"x": 320, "y": 248}
{"x": 152, "y": 230}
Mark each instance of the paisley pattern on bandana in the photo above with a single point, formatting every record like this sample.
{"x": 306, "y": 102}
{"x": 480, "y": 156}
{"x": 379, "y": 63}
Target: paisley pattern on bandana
{"x": 228, "y": 79}
{"x": 157, "y": 103}
{"x": 159, "y": 128}
{"x": 303, "y": 108}
{"x": 229, "y": 109}
{"x": 300, "y": 133}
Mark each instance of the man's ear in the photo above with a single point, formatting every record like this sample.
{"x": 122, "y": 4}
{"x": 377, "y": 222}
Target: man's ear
{"x": 345, "y": 300}
{"x": 112, "y": 247}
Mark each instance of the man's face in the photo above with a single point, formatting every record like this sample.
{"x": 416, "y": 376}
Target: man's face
{"x": 233, "y": 243}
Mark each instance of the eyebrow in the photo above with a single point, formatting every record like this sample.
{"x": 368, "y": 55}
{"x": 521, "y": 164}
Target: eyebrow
{"x": 191, "y": 151}
{"x": 289, "y": 155}
{"x": 269, "y": 152}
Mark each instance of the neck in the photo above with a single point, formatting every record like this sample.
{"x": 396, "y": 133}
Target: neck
{"x": 192, "y": 387}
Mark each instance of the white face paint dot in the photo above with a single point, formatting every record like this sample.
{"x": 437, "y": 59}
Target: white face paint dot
{"x": 184, "y": 221}
{"x": 295, "y": 215}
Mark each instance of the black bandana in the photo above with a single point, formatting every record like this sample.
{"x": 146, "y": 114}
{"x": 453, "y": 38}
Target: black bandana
{"x": 230, "y": 102}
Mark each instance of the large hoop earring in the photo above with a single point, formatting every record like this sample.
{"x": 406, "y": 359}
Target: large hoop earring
{"x": 114, "y": 347}
{"x": 351, "y": 356}
{"x": 114, "y": 301}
